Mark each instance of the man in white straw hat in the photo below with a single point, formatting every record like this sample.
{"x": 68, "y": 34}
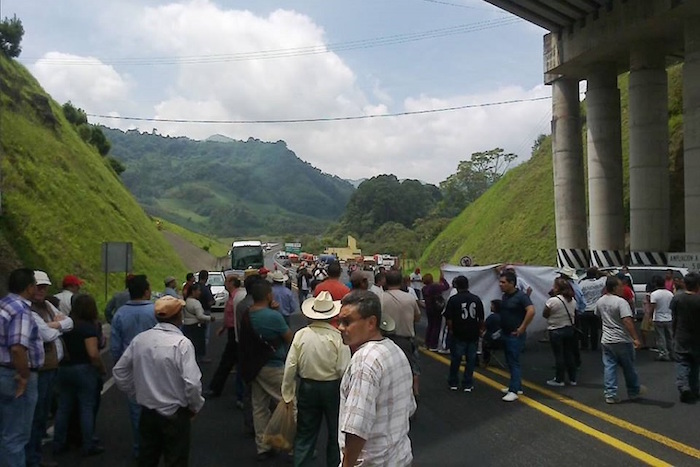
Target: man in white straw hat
{"x": 282, "y": 295}
{"x": 317, "y": 354}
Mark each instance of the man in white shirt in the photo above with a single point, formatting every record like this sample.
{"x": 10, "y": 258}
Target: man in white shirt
{"x": 159, "y": 370}
{"x": 376, "y": 393}
{"x": 417, "y": 283}
{"x": 592, "y": 287}
{"x": 71, "y": 286}
{"x": 619, "y": 341}
{"x": 379, "y": 282}
{"x": 660, "y": 300}
{"x": 319, "y": 357}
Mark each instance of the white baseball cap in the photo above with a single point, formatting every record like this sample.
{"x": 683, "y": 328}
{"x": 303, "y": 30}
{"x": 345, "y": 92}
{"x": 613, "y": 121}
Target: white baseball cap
{"x": 42, "y": 278}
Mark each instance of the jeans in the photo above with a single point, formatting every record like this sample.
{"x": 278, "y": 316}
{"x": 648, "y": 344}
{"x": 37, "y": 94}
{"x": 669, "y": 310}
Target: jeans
{"x": 45, "y": 384}
{"x": 664, "y": 339}
{"x": 76, "y": 383}
{"x": 688, "y": 372}
{"x": 316, "y": 400}
{"x": 563, "y": 342}
{"x": 135, "y": 416}
{"x": 16, "y": 416}
{"x": 622, "y": 354}
{"x": 459, "y": 349}
{"x": 513, "y": 346}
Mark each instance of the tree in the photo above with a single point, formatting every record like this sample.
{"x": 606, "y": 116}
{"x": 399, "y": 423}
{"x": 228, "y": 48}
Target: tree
{"x": 472, "y": 179}
{"x": 73, "y": 114}
{"x": 98, "y": 139}
{"x": 117, "y": 166}
{"x": 11, "y": 33}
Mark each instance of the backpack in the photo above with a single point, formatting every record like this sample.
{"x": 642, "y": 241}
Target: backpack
{"x": 255, "y": 351}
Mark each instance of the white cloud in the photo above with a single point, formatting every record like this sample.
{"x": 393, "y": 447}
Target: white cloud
{"x": 85, "y": 81}
{"x": 427, "y": 147}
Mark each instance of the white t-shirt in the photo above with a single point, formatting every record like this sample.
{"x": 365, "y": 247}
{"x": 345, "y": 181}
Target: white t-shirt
{"x": 662, "y": 299}
{"x": 612, "y": 309}
{"x": 416, "y": 281}
{"x": 561, "y": 314}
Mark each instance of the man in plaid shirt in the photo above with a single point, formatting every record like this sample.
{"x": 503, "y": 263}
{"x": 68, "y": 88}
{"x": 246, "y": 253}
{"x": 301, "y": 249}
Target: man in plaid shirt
{"x": 376, "y": 392}
{"x": 21, "y": 356}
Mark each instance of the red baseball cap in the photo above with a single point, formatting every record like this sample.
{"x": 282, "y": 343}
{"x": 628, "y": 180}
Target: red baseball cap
{"x": 263, "y": 270}
{"x": 71, "y": 280}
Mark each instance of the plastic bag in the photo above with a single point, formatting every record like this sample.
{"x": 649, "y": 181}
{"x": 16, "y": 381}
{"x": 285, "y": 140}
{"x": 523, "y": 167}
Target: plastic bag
{"x": 282, "y": 428}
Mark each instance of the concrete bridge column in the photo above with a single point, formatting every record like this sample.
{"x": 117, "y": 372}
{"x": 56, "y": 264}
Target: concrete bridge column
{"x": 648, "y": 159}
{"x": 691, "y": 133}
{"x": 606, "y": 216}
{"x": 569, "y": 187}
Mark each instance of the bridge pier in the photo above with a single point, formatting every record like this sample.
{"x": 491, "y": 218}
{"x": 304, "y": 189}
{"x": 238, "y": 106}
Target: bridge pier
{"x": 691, "y": 133}
{"x": 648, "y": 156}
{"x": 604, "y": 138}
{"x": 569, "y": 187}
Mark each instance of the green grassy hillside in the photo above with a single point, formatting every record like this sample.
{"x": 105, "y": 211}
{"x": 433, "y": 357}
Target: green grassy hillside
{"x": 60, "y": 199}
{"x": 514, "y": 220}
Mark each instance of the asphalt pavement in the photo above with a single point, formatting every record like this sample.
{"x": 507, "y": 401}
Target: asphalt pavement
{"x": 547, "y": 426}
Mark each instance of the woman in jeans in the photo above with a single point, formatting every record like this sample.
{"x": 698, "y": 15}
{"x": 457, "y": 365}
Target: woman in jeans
{"x": 79, "y": 376}
{"x": 560, "y": 312}
{"x": 194, "y": 321}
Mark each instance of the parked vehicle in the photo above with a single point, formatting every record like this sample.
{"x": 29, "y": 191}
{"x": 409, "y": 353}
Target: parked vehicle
{"x": 216, "y": 283}
{"x": 641, "y": 276}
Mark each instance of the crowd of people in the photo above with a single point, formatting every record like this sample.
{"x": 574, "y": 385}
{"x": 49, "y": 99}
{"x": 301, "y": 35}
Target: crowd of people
{"x": 354, "y": 366}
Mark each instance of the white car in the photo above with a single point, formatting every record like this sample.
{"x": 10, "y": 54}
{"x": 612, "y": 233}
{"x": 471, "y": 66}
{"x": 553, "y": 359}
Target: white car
{"x": 641, "y": 276}
{"x": 216, "y": 284}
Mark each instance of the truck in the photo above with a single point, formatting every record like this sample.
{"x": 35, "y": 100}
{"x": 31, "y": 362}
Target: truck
{"x": 247, "y": 254}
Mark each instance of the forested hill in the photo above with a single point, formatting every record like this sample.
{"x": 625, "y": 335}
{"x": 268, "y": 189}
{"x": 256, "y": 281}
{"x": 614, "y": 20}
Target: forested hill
{"x": 61, "y": 199}
{"x": 228, "y": 187}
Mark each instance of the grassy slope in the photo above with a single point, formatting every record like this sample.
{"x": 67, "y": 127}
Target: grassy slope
{"x": 214, "y": 246}
{"x": 60, "y": 199}
{"x": 514, "y": 220}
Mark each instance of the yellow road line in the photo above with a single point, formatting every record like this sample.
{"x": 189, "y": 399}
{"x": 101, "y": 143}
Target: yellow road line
{"x": 659, "y": 438}
{"x": 599, "y": 435}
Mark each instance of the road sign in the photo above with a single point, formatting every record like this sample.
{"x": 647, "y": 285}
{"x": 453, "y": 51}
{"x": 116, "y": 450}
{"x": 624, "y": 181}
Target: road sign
{"x": 292, "y": 248}
{"x": 690, "y": 261}
{"x": 465, "y": 261}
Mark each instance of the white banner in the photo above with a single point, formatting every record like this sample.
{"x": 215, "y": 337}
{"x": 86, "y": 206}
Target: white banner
{"x": 483, "y": 281}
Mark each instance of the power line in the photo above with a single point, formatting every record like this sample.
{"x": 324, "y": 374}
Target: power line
{"x": 293, "y": 51}
{"x": 458, "y": 5}
{"x": 321, "y": 119}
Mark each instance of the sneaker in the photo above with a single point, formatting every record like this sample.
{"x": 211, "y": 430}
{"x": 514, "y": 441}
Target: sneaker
{"x": 573, "y": 383}
{"x": 507, "y": 390}
{"x": 612, "y": 400}
{"x": 469, "y": 389}
{"x": 453, "y": 388}
{"x": 554, "y": 382}
{"x": 510, "y": 397}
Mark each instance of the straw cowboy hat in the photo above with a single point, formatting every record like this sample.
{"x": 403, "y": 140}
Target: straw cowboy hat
{"x": 568, "y": 272}
{"x": 321, "y": 307}
{"x": 279, "y": 276}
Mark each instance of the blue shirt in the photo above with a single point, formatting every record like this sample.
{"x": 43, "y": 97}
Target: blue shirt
{"x": 286, "y": 299}
{"x": 513, "y": 310}
{"x": 578, "y": 295}
{"x": 271, "y": 327}
{"x": 131, "y": 319}
{"x": 17, "y": 327}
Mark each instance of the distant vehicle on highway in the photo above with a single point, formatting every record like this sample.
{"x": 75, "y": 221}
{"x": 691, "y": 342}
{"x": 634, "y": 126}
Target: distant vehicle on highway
{"x": 247, "y": 254}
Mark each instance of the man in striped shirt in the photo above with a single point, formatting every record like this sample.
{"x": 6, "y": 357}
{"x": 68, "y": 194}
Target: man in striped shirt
{"x": 376, "y": 392}
{"x": 21, "y": 356}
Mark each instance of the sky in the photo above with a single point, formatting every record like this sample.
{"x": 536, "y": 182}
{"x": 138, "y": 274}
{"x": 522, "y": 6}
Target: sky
{"x": 271, "y": 60}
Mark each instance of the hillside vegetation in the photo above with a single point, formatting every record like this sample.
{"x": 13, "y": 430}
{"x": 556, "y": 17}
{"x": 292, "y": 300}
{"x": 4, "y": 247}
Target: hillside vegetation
{"x": 514, "y": 220}
{"x": 227, "y": 187}
{"x": 61, "y": 199}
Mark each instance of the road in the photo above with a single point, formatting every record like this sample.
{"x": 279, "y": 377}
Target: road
{"x": 546, "y": 427}
{"x": 570, "y": 425}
